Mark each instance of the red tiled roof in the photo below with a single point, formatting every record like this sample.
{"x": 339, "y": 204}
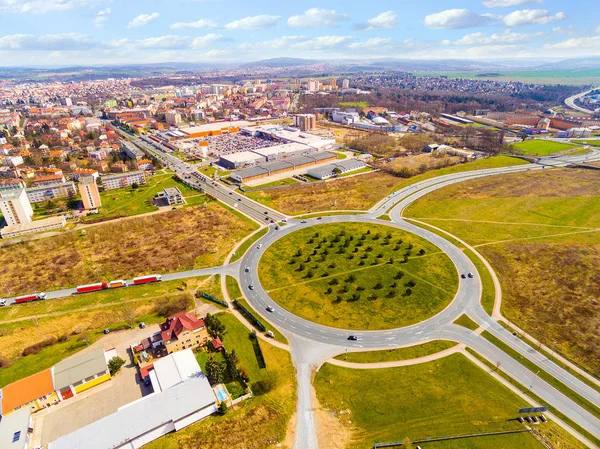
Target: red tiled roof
{"x": 179, "y": 322}
{"x": 145, "y": 370}
{"x": 216, "y": 343}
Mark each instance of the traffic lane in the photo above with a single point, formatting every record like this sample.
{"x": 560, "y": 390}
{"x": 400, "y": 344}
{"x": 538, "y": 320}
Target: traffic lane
{"x": 524, "y": 376}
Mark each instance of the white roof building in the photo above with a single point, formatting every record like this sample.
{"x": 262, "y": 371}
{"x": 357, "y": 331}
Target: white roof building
{"x": 174, "y": 369}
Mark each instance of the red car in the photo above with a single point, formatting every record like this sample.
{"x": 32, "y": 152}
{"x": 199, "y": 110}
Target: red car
{"x": 319, "y": 218}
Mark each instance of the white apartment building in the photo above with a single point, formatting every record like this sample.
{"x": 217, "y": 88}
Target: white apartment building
{"x": 15, "y": 206}
{"x": 122, "y": 180}
{"x": 51, "y": 191}
{"x": 173, "y": 117}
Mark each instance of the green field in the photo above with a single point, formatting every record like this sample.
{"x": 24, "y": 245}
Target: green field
{"x": 354, "y": 104}
{"x": 450, "y": 396}
{"x": 358, "y": 276}
{"x": 522, "y": 440}
{"x": 281, "y": 182}
{"x": 537, "y": 147}
{"x": 247, "y": 244}
{"x": 467, "y": 322}
{"x": 389, "y": 355}
{"x": 540, "y": 231}
{"x": 572, "y": 77}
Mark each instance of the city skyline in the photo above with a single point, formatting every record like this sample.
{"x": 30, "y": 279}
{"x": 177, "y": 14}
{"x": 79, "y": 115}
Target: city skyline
{"x": 65, "y": 32}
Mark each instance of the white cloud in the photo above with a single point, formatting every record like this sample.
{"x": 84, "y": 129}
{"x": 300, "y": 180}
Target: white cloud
{"x": 273, "y": 44}
{"x": 101, "y": 18}
{"x": 206, "y": 40}
{"x": 507, "y": 3}
{"x": 143, "y": 19}
{"x": 218, "y": 52}
{"x": 508, "y": 37}
{"x": 568, "y": 31}
{"x": 457, "y": 19}
{"x": 317, "y": 17}
{"x": 374, "y": 42}
{"x": 384, "y": 21}
{"x": 201, "y": 23}
{"x": 321, "y": 43}
{"x": 531, "y": 17}
{"x": 582, "y": 43}
{"x": 159, "y": 42}
{"x": 47, "y": 42}
{"x": 44, "y": 6}
{"x": 598, "y": 29}
{"x": 253, "y": 23}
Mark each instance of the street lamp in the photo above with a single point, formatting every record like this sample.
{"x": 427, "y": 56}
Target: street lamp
{"x": 532, "y": 381}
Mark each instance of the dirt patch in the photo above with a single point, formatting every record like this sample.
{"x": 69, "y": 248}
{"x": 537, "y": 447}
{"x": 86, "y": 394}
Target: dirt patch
{"x": 334, "y": 429}
{"x": 553, "y": 291}
{"x": 290, "y": 433}
{"x": 173, "y": 241}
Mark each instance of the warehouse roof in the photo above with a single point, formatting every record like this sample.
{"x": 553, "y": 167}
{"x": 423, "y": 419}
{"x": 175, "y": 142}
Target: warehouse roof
{"x": 214, "y": 126}
{"x": 175, "y": 368}
{"x": 322, "y": 155}
{"x": 142, "y": 416}
{"x": 242, "y": 156}
{"x": 251, "y": 172}
{"x": 78, "y": 368}
{"x": 26, "y": 390}
{"x": 13, "y": 429}
{"x": 279, "y": 165}
{"x": 284, "y": 148}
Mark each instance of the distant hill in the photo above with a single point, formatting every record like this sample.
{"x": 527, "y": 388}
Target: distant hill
{"x": 571, "y": 64}
{"x": 282, "y": 62}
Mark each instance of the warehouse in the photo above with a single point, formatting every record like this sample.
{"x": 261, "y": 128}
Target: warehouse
{"x": 79, "y": 373}
{"x": 329, "y": 171}
{"x": 241, "y": 159}
{"x": 264, "y": 170}
{"x": 285, "y": 151}
{"x": 214, "y": 128}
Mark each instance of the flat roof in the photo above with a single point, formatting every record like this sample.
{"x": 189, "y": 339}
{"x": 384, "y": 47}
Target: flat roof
{"x": 11, "y": 193}
{"x": 349, "y": 164}
{"x": 52, "y": 221}
{"x": 123, "y": 175}
{"x": 51, "y": 186}
{"x": 142, "y": 416}
{"x": 319, "y": 156}
{"x": 278, "y": 165}
{"x": 175, "y": 368}
{"x": 242, "y": 156}
{"x": 214, "y": 126}
{"x": 78, "y": 367}
{"x": 172, "y": 191}
{"x": 251, "y": 172}
{"x": 284, "y": 148}
{"x": 26, "y": 390}
{"x": 294, "y": 135}
{"x": 10, "y": 425}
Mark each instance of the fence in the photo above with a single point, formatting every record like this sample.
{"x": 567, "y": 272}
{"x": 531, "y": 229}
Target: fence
{"x": 242, "y": 398}
{"x": 249, "y": 316}
{"x": 213, "y": 299}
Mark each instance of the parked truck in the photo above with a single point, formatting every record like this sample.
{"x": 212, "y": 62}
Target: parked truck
{"x": 147, "y": 279}
{"x": 29, "y": 298}
{"x": 117, "y": 284}
{"x": 92, "y": 287}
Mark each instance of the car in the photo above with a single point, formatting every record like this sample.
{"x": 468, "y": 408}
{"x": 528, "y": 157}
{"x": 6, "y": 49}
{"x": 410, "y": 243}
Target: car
{"x": 270, "y": 309}
{"x": 231, "y": 193}
{"x": 277, "y": 228}
{"x": 534, "y": 419}
{"x": 107, "y": 330}
{"x": 463, "y": 276}
{"x": 266, "y": 218}
{"x": 543, "y": 418}
{"x": 266, "y": 212}
{"x": 303, "y": 221}
{"x": 528, "y": 419}
{"x": 284, "y": 220}
{"x": 147, "y": 381}
{"x": 239, "y": 199}
{"x": 352, "y": 337}
{"x": 259, "y": 246}
{"x": 251, "y": 287}
{"x": 2, "y": 302}
{"x": 520, "y": 419}
{"x": 247, "y": 269}
{"x": 173, "y": 208}
{"x": 319, "y": 218}
{"x": 470, "y": 275}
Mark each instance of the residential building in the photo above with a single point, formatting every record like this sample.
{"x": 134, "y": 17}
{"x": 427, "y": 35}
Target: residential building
{"x": 51, "y": 191}
{"x": 172, "y": 195}
{"x": 15, "y": 206}
{"x": 88, "y": 189}
{"x": 120, "y": 181}
{"x": 313, "y": 85}
{"x": 44, "y": 180}
{"x": 305, "y": 122}
{"x": 15, "y": 429}
{"x": 80, "y": 373}
{"x": 346, "y": 118}
{"x": 119, "y": 167}
{"x": 33, "y": 393}
{"x": 182, "y": 331}
{"x": 85, "y": 172}
{"x": 13, "y": 161}
{"x": 173, "y": 117}
{"x": 132, "y": 151}
{"x": 174, "y": 369}
{"x": 46, "y": 224}
{"x": 345, "y": 84}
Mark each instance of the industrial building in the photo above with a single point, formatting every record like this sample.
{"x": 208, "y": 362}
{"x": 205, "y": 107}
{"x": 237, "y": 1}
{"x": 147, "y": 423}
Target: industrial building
{"x": 122, "y": 180}
{"x": 241, "y": 159}
{"x": 285, "y": 151}
{"x": 15, "y": 430}
{"x": 32, "y": 393}
{"x": 15, "y": 206}
{"x": 345, "y": 118}
{"x": 214, "y": 128}
{"x": 336, "y": 169}
{"x": 90, "y": 195}
{"x": 79, "y": 373}
{"x": 48, "y": 192}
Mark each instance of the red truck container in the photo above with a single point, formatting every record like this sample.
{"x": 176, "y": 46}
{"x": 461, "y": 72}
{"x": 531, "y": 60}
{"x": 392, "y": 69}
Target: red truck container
{"x": 92, "y": 287}
{"x": 29, "y": 298}
{"x": 147, "y": 279}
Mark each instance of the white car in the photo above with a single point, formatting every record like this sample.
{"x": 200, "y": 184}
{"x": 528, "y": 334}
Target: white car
{"x": 2, "y": 302}
{"x": 270, "y": 309}
{"x": 259, "y": 246}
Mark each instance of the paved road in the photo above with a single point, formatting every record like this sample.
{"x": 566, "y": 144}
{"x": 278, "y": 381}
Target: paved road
{"x": 467, "y": 300}
{"x": 570, "y": 102}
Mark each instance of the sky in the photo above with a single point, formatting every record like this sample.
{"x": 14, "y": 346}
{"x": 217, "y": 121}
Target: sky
{"x": 96, "y": 32}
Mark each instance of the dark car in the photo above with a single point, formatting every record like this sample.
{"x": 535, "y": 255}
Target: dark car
{"x": 239, "y": 199}
{"x": 470, "y": 275}
{"x": 464, "y": 276}
{"x": 265, "y": 212}
{"x": 303, "y": 221}
{"x": 520, "y": 419}
{"x": 353, "y": 337}
{"x": 251, "y": 287}
{"x": 319, "y": 218}
{"x": 270, "y": 309}
{"x": 247, "y": 269}
{"x": 147, "y": 381}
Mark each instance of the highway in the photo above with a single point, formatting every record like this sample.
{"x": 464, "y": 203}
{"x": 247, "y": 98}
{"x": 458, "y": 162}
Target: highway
{"x": 570, "y": 102}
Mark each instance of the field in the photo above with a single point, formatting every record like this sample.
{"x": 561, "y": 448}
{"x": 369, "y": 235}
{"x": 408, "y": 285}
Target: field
{"x": 388, "y": 355}
{"x": 450, "y": 396}
{"x": 76, "y": 321}
{"x": 173, "y": 241}
{"x": 358, "y": 276}
{"x": 541, "y": 233}
{"x": 538, "y": 147}
{"x": 257, "y": 423}
{"x": 354, "y": 104}
{"x": 359, "y": 192}
{"x": 573, "y": 77}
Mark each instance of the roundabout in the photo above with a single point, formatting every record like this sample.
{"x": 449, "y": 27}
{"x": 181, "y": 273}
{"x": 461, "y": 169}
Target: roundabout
{"x": 358, "y": 276}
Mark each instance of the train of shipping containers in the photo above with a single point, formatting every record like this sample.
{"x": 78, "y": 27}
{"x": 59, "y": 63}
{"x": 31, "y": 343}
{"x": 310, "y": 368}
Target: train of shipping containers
{"x": 147, "y": 279}
{"x": 92, "y": 287}
{"x": 117, "y": 284}
{"x": 32, "y": 297}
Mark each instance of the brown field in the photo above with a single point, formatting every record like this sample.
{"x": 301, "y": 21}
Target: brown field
{"x": 425, "y": 161}
{"x": 173, "y": 241}
{"x": 355, "y": 193}
{"x": 541, "y": 233}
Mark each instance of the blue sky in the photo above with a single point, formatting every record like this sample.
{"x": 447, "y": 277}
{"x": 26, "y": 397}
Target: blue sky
{"x": 59, "y": 32}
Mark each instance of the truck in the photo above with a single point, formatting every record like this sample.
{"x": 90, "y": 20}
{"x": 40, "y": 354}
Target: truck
{"x": 117, "y": 284}
{"x": 98, "y": 286}
{"x": 29, "y": 298}
{"x": 147, "y": 279}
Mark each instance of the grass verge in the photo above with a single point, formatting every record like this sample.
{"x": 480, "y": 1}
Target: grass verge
{"x": 390, "y": 355}
{"x": 247, "y": 244}
{"x": 467, "y": 322}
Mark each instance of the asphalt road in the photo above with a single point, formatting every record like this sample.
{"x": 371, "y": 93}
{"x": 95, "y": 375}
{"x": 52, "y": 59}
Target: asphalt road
{"x": 570, "y": 102}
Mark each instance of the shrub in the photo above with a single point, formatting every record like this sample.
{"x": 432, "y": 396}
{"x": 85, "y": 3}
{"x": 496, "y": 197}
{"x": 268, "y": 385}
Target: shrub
{"x": 170, "y": 306}
{"x": 334, "y": 282}
{"x": 410, "y": 283}
{"x": 399, "y": 275}
{"x": 115, "y": 364}
{"x": 421, "y": 252}
{"x": 5, "y": 363}
{"x": 37, "y": 347}
{"x": 378, "y": 286}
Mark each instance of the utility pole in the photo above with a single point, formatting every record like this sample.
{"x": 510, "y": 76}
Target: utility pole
{"x": 532, "y": 381}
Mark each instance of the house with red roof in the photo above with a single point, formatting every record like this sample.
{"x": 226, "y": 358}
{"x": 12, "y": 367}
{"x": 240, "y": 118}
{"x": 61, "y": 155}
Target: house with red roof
{"x": 183, "y": 330}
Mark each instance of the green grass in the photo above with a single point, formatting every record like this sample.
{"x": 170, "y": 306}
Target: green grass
{"x": 389, "y": 355}
{"x": 591, "y": 142}
{"x": 450, "y": 396}
{"x": 326, "y": 214}
{"x": 354, "y": 104}
{"x": 523, "y": 440}
{"x": 281, "y": 182}
{"x": 385, "y": 217}
{"x": 340, "y": 155}
{"x": 364, "y": 296}
{"x": 247, "y": 244}
{"x": 537, "y": 147}
{"x": 567, "y": 76}
{"x": 467, "y": 322}
{"x": 235, "y": 293}
{"x": 590, "y": 407}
